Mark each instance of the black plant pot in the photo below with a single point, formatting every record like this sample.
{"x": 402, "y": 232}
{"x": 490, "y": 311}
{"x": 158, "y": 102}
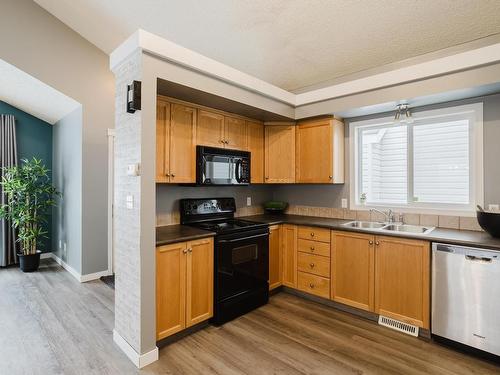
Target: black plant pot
{"x": 29, "y": 263}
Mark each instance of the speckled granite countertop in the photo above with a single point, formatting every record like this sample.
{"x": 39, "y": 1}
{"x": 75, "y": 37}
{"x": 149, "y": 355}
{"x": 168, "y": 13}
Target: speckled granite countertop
{"x": 451, "y": 236}
{"x": 179, "y": 233}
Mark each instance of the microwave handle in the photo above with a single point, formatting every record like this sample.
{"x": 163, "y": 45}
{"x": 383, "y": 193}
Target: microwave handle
{"x": 237, "y": 170}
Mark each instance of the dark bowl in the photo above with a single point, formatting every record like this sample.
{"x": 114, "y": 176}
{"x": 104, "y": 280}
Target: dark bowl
{"x": 490, "y": 222}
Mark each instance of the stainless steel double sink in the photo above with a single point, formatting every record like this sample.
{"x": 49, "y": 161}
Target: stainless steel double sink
{"x": 390, "y": 227}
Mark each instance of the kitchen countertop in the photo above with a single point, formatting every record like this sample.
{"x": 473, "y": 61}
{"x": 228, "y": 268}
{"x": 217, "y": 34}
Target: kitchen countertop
{"x": 179, "y": 233}
{"x": 451, "y": 236}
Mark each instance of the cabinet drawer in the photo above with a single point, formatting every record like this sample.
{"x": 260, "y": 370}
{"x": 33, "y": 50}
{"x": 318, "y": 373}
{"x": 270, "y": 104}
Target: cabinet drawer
{"x": 314, "y": 264}
{"x": 314, "y": 247}
{"x": 317, "y": 285}
{"x": 315, "y": 234}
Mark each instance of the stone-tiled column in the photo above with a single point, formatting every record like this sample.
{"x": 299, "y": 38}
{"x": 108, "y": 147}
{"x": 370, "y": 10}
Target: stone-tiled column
{"x": 131, "y": 300}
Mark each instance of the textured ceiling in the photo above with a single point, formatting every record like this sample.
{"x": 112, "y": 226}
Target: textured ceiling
{"x": 32, "y": 96}
{"x": 289, "y": 43}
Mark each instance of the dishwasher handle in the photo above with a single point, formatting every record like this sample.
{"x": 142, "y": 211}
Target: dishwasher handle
{"x": 473, "y": 258}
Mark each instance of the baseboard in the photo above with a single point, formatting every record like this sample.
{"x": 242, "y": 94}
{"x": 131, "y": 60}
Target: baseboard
{"x": 45, "y": 255}
{"x": 140, "y": 360}
{"x": 81, "y": 278}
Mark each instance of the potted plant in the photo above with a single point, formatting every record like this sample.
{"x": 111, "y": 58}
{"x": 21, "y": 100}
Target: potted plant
{"x": 30, "y": 196}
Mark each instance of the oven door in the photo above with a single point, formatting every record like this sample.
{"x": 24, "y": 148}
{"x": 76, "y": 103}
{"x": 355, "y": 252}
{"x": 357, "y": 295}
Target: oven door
{"x": 242, "y": 263}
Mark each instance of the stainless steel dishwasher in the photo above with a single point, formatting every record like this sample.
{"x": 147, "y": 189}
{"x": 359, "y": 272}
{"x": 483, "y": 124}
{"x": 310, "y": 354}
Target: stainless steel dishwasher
{"x": 466, "y": 296}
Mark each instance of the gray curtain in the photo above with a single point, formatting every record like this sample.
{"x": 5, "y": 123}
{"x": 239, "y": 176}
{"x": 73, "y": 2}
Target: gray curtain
{"x": 8, "y": 158}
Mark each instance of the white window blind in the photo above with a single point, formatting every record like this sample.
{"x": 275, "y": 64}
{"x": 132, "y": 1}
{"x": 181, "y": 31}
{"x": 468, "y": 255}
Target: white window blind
{"x": 434, "y": 162}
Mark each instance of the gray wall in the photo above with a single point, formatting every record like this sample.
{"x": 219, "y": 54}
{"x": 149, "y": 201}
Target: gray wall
{"x": 167, "y": 196}
{"x": 331, "y": 195}
{"x": 47, "y": 49}
{"x": 67, "y": 178}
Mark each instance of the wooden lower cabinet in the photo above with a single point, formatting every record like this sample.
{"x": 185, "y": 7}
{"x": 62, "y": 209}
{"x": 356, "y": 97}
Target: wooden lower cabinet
{"x": 289, "y": 248}
{"x": 402, "y": 279}
{"x": 200, "y": 281}
{"x": 353, "y": 266}
{"x": 170, "y": 289}
{"x": 184, "y": 285}
{"x": 275, "y": 257}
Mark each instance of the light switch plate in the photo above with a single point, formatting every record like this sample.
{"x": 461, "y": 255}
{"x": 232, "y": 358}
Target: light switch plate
{"x": 130, "y": 202}
{"x": 344, "y": 203}
{"x": 249, "y": 201}
{"x": 133, "y": 169}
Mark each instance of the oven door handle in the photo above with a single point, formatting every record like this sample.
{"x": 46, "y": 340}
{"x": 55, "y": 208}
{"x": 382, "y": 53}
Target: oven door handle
{"x": 244, "y": 238}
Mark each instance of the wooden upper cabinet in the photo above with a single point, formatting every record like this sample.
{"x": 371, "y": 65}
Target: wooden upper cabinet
{"x": 170, "y": 289}
{"x": 162, "y": 141}
{"x": 279, "y": 154}
{"x": 289, "y": 249}
{"x": 402, "y": 280}
{"x": 320, "y": 151}
{"x": 275, "y": 257}
{"x": 210, "y": 129}
{"x": 200, "y": 280}
{"x": 255, "y": 131}
{"x": 235, "y": 133}
{"x": 353, "y": 266}
{"x": 182, "y": 144}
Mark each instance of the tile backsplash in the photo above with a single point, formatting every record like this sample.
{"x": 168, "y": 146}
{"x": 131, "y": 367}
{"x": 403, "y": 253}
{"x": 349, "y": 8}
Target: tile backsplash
{"x": 442, "y": 221}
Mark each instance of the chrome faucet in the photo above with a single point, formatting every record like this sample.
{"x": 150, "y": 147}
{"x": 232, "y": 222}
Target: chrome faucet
{"x": 390, "y": 215}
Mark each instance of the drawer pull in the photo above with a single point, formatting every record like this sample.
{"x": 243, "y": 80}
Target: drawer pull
{"x": 311, "y": 265}
{"x": 312, "y": 248}
{"x": 370, "y": 242}
{"x": 312, "y": 234}
{"x": 311, "y": 285}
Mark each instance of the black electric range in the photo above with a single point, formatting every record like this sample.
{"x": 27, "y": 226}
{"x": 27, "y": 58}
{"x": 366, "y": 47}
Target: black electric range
{"x": 241, "y": 256}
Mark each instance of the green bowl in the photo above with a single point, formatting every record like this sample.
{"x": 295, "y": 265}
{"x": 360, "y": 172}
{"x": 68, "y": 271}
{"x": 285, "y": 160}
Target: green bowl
{"x": 275, "y": 207}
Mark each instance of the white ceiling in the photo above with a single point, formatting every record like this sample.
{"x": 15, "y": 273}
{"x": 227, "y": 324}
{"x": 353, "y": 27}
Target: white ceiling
{"x": 32, "y": 96}
{"x": 289, "y": 43}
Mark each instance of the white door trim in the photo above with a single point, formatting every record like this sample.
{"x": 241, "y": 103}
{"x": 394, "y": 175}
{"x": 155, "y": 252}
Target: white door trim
{"x": 111, "y": 187}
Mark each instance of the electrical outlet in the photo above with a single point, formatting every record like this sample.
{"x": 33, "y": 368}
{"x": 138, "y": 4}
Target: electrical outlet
{"x": 64, "y": 248}
{"x": 344, "y": 203}
{"x": 249, "y": 201}
{"x": 60, "y": 245}
{"x": 493, "y": 207}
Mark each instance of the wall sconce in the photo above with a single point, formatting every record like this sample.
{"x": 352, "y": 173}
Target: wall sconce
{"x": 134, "y": 97}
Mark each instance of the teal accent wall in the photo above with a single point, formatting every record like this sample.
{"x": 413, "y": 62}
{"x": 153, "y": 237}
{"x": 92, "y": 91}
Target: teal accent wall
{"x": 34, "y": 139}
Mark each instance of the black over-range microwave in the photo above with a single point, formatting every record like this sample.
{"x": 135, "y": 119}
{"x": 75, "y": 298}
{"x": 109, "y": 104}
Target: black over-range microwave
{"x": 220, "y": 166}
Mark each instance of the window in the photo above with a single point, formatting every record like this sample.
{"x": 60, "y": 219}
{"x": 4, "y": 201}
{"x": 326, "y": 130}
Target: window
{"x": 432, "y": 163}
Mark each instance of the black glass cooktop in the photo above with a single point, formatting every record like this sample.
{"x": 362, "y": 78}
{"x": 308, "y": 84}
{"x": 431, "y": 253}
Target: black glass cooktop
{"x": 227, "y": 225}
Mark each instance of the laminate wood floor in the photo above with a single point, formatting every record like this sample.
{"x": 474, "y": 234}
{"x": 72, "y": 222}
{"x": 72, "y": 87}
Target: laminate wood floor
{"x": 51, "y": 324}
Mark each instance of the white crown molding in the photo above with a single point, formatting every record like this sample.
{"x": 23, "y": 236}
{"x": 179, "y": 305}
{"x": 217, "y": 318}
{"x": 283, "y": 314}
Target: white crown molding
{"x": 172, "y": 52}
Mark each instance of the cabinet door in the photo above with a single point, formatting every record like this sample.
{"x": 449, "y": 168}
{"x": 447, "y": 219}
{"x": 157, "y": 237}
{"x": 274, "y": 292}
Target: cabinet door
{"x": 162, "y": 141}
{"x": 235, "y": 133}
{"x": 182, "y": 144}
{"x": 402, "y": 280}
{"x": 200, "y": 281}
{"x": 256, "y": 147}
{"x": 275, "y": 258}
{"x": 353, "y": 269}
{"x": 170, "y": 289}
{"x": 279, "y": 154}
{"x": 210, "y": 129}
{"x": 289, "y": 246}
{"x": 320, "y": 151}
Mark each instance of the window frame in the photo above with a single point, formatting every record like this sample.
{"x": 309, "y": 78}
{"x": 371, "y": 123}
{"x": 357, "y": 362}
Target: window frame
{"x": 473, "y": 112}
